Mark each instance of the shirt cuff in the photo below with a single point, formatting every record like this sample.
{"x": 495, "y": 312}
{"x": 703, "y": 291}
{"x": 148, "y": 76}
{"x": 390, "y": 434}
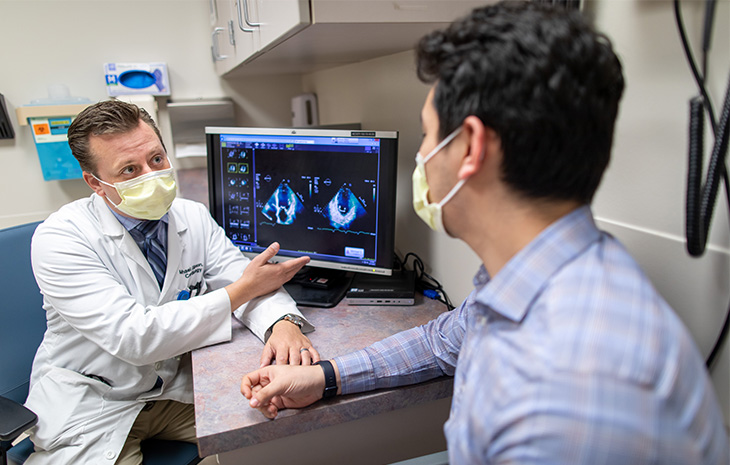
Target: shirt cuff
{"x": 261, "y": 313}
{"x": 356, "y": 372}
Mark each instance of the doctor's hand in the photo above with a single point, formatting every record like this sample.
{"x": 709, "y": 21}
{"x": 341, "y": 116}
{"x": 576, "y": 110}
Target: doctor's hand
{"x": 261, "y": 277}
{"x": 277, "y": 387}
{"x": 287, "y": 345}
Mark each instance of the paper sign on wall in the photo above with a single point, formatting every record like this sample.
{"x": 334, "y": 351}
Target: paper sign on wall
{"x": 54, "y": 153}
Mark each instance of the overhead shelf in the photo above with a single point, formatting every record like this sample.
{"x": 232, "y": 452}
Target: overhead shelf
{"x": 39, "y": 111}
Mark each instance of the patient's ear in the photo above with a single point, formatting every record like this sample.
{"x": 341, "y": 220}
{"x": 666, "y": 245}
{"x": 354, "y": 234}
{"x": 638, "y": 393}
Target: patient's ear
{"x": 483, "y": 141}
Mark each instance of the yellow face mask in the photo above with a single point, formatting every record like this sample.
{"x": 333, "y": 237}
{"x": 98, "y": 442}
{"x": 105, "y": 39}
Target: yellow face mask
{"x": 146, "y": 197}
{"x": 431, "y": 213}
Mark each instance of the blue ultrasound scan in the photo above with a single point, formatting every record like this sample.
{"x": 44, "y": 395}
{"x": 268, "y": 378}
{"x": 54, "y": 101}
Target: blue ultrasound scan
{"x": 344, "y": 208}
{"x": 283, "y": 206}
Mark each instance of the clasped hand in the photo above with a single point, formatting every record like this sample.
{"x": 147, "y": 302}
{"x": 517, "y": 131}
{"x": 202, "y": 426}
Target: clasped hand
{"x": 278, "y": 387}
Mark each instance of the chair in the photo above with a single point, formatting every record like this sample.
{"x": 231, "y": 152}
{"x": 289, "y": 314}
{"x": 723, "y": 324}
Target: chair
{"x": 22, "y": 324}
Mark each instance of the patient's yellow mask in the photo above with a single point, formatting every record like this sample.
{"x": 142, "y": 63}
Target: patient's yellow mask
{"x": 429, "y": 212}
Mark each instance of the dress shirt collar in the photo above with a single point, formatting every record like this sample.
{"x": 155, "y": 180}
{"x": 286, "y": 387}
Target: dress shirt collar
{"x": 514, "y": 288}
{"x": 131, "y": 223}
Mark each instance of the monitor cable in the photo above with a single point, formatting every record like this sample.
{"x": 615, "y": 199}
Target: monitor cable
{"x": 701, "y": 198}
{"x": 425, "y": 283}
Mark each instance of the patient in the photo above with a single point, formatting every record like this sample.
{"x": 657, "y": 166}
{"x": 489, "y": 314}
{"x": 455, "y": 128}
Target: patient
{"x": 564, "y": 353}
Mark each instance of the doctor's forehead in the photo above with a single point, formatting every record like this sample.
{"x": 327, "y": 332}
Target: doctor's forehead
{"x": 129, "y": 147}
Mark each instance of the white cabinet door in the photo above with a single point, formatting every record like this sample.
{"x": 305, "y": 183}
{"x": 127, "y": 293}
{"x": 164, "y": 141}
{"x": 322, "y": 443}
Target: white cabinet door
{"x": 247, "y": 37}
{"x": 275, "y": 36}
{"x": 277, "y": 20}
{"x": 223, "y": 48}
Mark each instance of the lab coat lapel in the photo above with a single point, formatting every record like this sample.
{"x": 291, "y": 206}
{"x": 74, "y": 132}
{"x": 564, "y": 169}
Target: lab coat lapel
{"x": 113, "y": 229}
{"x": 175, "y": 248}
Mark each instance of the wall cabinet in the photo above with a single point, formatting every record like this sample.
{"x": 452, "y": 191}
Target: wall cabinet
{"x": 297, "y": 36}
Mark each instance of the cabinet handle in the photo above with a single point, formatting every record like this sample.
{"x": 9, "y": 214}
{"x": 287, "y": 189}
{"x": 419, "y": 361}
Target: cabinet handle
{"x": 245, "y": 15}
{"x": 240, "y": 19}
{"x": 231, "y": 33}
{"x": 214, "y": 47}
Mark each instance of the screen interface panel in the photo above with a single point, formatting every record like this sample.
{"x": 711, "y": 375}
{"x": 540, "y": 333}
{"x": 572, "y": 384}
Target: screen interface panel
{"x": 315, "y": 195}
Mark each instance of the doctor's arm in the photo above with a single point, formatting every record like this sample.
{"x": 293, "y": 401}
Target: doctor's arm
{"x": 260, "y": 277}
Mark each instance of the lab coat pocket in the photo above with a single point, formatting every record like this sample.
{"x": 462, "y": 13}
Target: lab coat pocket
{"x": 67, "y": 403}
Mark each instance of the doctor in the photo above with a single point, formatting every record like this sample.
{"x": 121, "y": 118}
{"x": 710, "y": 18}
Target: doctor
{"x": 133, "y": 279}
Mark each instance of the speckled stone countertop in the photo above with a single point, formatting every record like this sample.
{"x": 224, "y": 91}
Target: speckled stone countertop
{"x": 224, "y": 420}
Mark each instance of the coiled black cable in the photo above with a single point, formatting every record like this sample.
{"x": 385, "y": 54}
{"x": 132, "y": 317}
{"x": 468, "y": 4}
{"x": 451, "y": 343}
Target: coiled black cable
{"x": 701, "y": 199}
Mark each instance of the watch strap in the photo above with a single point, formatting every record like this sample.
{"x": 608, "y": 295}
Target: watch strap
{"x": 290, "y": 317}
{"x": 330, "y": 380}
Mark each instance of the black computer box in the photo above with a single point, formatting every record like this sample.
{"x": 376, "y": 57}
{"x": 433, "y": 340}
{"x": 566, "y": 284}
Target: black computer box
{"x": 370, "y": 289}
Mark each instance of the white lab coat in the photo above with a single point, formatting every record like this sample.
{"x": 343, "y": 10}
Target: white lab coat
{"x": 112, "y": 332}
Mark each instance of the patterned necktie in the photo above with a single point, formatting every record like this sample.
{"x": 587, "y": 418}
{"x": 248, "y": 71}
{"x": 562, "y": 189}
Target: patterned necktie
{"x": 152, "y": 247}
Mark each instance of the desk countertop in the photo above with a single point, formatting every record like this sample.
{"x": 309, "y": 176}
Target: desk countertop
{"x": 225, "y": 422}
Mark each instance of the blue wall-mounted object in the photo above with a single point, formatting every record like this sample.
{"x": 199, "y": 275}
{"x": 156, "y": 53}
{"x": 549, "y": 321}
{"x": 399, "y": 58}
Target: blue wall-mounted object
{"x": 54, "y": 153}
{"x": 136, "y": 79}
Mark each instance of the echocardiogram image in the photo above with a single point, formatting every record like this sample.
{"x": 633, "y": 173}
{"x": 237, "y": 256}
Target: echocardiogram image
{"x": 344, "y": 208}
{"x": 283, "y": 206}
{"x": 298, "y": 200}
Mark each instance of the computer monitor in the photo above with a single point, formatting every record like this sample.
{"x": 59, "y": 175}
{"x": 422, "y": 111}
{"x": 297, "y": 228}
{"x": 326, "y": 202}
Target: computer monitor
{"x": 325, "y": 193}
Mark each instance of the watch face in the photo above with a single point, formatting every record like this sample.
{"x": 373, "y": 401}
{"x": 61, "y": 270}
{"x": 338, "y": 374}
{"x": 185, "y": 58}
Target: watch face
{"x": 295, "y": 319}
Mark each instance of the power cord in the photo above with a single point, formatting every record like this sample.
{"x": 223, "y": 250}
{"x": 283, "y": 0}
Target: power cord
{"x": 701, "y": 198}
{"x": 425, "y": 283}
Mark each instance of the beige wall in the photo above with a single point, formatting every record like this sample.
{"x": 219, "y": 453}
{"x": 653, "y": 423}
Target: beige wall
{"x": 47, "y": 42}
{"x": 641, "y": 198}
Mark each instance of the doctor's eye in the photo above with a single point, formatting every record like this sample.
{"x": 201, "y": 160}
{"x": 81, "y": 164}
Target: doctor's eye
{"x": 128, "y": 170}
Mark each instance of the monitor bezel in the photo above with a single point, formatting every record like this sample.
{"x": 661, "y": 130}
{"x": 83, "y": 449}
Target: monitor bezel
{"x": 385, "y": 265}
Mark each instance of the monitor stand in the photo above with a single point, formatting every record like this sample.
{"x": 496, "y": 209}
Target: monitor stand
{"x": 318, "y": 287}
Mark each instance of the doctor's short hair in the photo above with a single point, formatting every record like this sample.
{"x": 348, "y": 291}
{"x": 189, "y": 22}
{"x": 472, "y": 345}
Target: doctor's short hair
{"x": 543, "y": 79}
{"x": 102, "y": 118}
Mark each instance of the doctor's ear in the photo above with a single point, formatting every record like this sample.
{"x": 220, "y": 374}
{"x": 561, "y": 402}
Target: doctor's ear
{"x": 480, "y": 141}
{"x": 93, "y": 183}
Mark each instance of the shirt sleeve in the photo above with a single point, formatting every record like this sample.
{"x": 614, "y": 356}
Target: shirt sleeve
{"x": 409, "y": 357}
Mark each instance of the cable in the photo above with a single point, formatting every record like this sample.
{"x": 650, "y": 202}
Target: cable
{"x": 701, "y": 199}
{"x": 707, "y": 35}
{"x": 425, "y": 283}
{"x": 692, "y": 63}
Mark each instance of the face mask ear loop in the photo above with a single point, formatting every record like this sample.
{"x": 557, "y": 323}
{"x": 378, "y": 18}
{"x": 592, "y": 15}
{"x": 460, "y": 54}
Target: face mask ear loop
{"x": 452, "y": 192}
{"x": 110, "y": 185}
{"x": 442, "y": 144}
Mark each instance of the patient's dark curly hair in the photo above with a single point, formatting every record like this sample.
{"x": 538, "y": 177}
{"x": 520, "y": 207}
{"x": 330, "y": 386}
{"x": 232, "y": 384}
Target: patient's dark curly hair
{"x": 543, "y": 79}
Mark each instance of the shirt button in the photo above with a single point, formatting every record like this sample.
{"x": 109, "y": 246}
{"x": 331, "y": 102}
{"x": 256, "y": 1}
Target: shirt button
{"x": 481, "y": 320}
{"x": 158, "y": 365}
{"x": 110, "y": 454}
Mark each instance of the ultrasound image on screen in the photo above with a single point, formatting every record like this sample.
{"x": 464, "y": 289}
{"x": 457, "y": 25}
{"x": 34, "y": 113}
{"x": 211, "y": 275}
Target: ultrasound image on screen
{"x": 328, "y": 210}
{"x": 344, "y": 208}
{"x": 283, "y": 205}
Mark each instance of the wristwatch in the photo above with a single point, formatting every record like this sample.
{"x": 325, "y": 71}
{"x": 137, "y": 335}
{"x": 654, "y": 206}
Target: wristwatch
{"x": 291, "y": 318}
{"x": 330, "y": 381}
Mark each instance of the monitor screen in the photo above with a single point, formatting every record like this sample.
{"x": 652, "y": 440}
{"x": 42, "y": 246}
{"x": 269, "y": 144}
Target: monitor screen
{"x": 328, "y": 194}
